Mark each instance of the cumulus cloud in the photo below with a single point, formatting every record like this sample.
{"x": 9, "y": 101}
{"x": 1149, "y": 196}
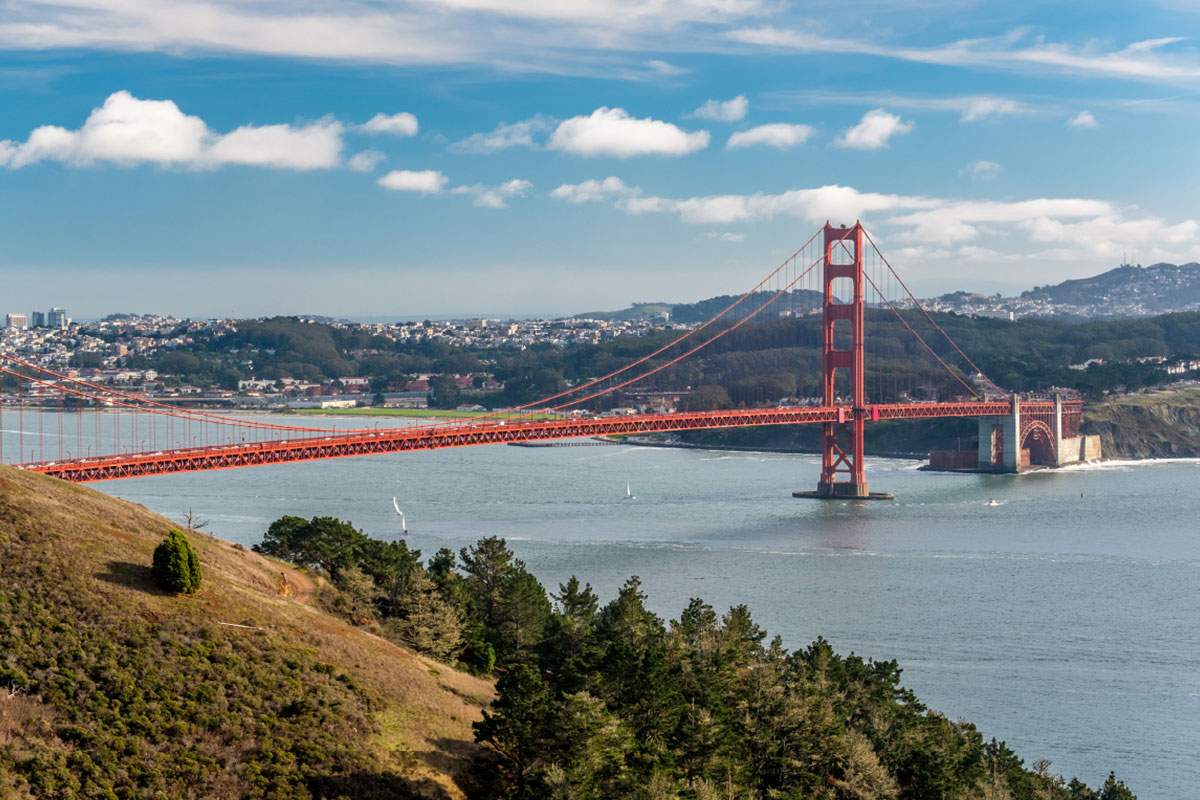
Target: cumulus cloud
{"x": 1066, "y": 228}
{"x": 727, "y": 236}
{"x": 314, "y": 146}
{"x": 873, "y": 131}
{"x": 779, "y": 135}
{"x": 504, "y": 136}
{"x": 494, "y": 196}
{"x": 424, "y": 181}
{"x": 1083, "y": 119}
{"x": 612, "y": 132}
{"x": 366, "y": 161}
{"x": 128, "y": 131}
{"x": 982, "y": 170}
{"x": 592, "y": 191}
{"x": 401, "y": 124}
{"x": 723, "y": 110}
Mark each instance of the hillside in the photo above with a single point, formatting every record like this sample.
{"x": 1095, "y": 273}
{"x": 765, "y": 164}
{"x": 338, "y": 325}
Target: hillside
{"x": 1159, "y": 424}
{"x": 1128, "y": 290}
{"x": 110, "y": 688}
{"x": 799, "y": 300}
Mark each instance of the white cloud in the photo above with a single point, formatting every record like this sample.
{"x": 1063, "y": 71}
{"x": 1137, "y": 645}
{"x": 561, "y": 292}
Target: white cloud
{"x": 1083, "y": 119}
{"x": 127, "y": 131}
{"x": 727, "y": 236}
{"x": 563, "y": 36}
{"x": 981, "y": 108}
{"x": 839, "y": 203}
{"x": 494, "y": 196}
{"x": 504, "y": 136}
{"x": 779, "y": 135}
{"x": 366, "y": 161}
{"x": 982, "y": 170}
{"x": 592, "y": 191}
{"x": 664, "y": 68}
{"x": 612, "y": 132}
{"x": 1064, "y": 228}
{"x": 537, "y": 35}
{"x": 1137, "y": 61}
{"x": 969, "y": 107}
{"x": 401, "y": 124}
{"x": 873, "y": 131}
{"x": 425, "y": 181}
{"x": 314, "y": 146}
{"x": 723, "y": 110}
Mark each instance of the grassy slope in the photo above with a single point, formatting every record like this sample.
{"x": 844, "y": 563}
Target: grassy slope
{"x": 118, "y": 689}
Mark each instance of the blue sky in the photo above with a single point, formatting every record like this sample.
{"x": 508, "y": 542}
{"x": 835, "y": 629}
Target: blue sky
{"x": 455, "y": 157}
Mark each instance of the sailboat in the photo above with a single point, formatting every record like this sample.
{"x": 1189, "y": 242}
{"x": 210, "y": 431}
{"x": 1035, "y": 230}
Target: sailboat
{"x": 403, "y": 522}
{"x": 629, "y": 492}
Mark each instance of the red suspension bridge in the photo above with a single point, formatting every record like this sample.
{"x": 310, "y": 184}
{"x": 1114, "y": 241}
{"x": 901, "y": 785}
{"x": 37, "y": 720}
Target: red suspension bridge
{"x": 101, "y": 432}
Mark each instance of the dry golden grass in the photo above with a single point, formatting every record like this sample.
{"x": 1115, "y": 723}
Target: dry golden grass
{"x": 424, "y": 725}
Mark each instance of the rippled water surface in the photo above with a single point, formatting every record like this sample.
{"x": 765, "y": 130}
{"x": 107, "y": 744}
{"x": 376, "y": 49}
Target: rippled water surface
{"x": 1065, "y": 620}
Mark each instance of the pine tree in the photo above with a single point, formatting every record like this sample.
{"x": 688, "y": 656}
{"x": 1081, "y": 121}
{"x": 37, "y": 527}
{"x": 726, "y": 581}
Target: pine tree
{"x": 1114, "y": 789}
{"x": 426, "y": 622}
{"x": 176, "y": 565}
{"x": 355, "y": 596}
{"x": 508, "y": 606}
{"x": 516, "y": 727}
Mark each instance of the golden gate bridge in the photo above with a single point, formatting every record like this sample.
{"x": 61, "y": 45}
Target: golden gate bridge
{"x": 144, "y": 436}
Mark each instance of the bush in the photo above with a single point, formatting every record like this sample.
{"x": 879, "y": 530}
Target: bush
{"x": 176, "y": 565}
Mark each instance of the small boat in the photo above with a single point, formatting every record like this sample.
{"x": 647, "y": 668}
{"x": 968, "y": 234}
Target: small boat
{"x": 993, "y": 503}
{"x": 629, "y": 492}
{"x": 403, "y": 522}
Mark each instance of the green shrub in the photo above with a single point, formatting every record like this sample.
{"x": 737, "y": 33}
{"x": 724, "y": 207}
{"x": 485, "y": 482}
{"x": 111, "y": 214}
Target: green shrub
{"x": 176, "y": 564}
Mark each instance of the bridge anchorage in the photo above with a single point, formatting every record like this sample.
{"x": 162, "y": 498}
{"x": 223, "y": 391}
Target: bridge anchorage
{"x": 73, "y": 425}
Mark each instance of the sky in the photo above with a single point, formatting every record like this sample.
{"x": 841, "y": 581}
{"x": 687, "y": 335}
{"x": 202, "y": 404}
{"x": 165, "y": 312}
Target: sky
{"x": 382, "y": 158}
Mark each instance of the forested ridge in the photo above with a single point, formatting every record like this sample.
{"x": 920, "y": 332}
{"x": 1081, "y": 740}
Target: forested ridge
{"x": 758, "y": 363}
{"x": 607, "y": 700}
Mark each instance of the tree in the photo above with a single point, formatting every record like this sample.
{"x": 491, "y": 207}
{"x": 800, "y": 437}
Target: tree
{"x": 590, "y": 753}
{"x": 443, "y": 392}
{"x": 325, "y": 543}
{"x": 570, "y": 650}
{"x": 515, "y": 728}
{"x": 176, "y": 565}
{"x": 354, "y": 597}
{"x": 1114, "y": 789}
{"x": 425, "y": 621}
{"x": 507, "y": 605}
{"x": 707, "y": 398}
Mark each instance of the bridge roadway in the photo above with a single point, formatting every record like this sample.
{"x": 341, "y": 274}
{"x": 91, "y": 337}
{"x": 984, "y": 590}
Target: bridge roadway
{"x": 466, "y": 434}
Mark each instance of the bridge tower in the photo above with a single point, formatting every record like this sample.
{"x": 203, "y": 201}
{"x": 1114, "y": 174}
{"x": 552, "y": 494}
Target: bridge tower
{"x": 842, "y": 474}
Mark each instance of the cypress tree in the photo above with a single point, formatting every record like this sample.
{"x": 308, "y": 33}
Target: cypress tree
{"x": 176, "y": 564}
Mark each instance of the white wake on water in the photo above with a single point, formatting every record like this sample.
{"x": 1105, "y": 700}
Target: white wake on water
{"x": 1125, "y": 464}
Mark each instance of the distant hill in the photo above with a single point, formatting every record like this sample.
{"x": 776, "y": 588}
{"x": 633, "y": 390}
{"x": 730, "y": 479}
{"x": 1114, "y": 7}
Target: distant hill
{"x": 111, "y": 688}
{"x": 1125, "y": 291}
{"x": 1128, "y": 290}
{"x": 634, "y": 312}
{"x": 800, "y": 300}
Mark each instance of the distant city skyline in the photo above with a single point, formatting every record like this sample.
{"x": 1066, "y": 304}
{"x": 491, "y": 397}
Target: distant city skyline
{"x": 537, "y": 159}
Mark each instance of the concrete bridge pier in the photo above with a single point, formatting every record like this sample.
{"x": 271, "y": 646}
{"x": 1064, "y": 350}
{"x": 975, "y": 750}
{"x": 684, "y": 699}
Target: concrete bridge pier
{"x": 1019, "y": 441}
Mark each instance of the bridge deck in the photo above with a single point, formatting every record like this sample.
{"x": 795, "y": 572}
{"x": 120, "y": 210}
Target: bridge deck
{"x": 358, "y": 443}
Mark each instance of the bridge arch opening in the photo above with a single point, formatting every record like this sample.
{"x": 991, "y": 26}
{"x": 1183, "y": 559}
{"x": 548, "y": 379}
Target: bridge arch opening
{"x": 842, "y": 290}
{"x": 1038, "y": 443}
